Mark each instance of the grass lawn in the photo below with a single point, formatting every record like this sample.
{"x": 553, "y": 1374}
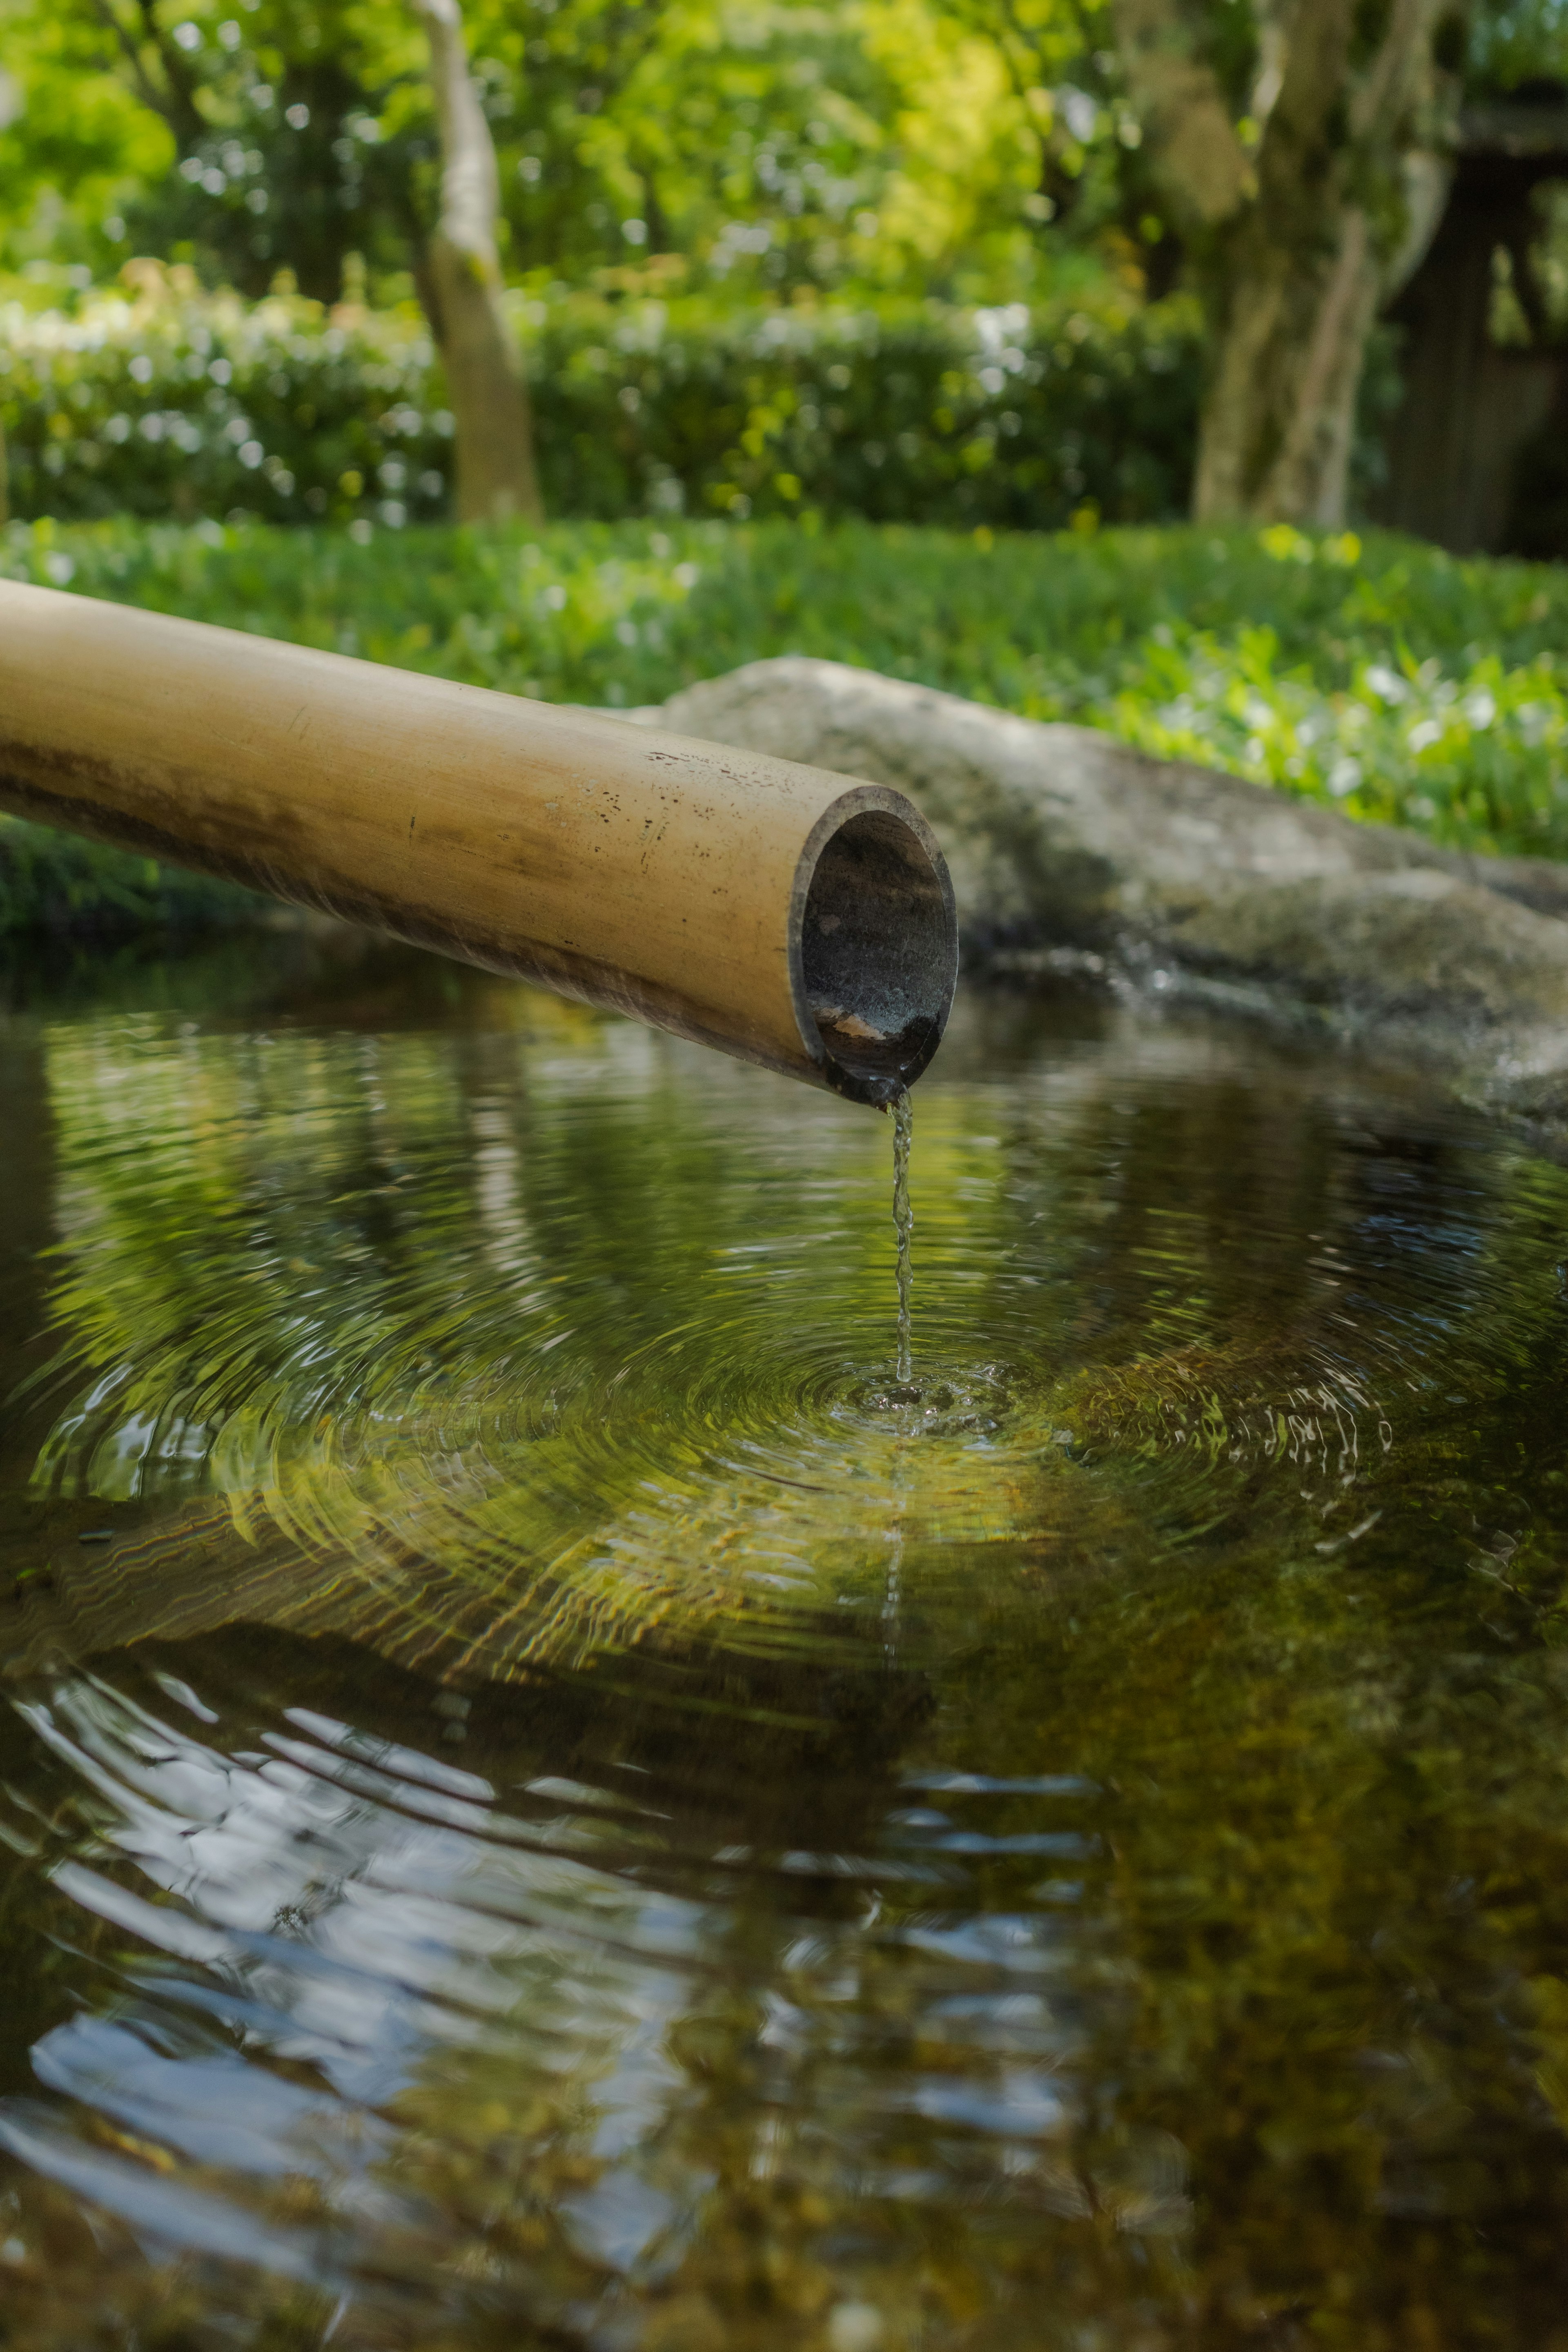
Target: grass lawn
{"x": 1380, "y": 675}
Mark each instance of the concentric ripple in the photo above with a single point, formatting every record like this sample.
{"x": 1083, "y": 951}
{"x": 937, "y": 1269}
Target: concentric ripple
{"x": 530, "y": 1350}
{"x": 554, "y": 1791}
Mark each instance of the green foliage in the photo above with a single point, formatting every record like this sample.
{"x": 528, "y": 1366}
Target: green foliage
{"x": 165, "y": 401}
{"x": 59, "y": 883}
{"x": 175, "y": 400}
{"x": 304, "y": 134}
{"x": 756, "y": 145}
{"x": 1515, "y": 41}
{"x": 947, "y": 147}
{"x": 880, "y": 145}
{"x": 73, "y": 139}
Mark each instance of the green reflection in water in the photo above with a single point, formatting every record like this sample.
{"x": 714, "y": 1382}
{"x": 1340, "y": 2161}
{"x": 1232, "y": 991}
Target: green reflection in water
{"x": 569, "y": 1809}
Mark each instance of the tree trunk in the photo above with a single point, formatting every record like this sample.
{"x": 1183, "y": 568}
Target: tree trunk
{"x": 1296, "y": 233}
{"x": 1274, "y": 439}
{"x": 494, "y": 431}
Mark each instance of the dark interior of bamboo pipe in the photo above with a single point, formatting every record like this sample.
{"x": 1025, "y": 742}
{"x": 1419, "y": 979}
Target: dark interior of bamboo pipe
{"x": 878, "y": 953}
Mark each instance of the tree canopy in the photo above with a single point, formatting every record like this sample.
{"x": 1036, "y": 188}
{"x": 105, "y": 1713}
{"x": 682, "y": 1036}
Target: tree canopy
{"x": 782, "y": 151}
{"x": 963, "y": 147}
{"x": 773, "y": 147}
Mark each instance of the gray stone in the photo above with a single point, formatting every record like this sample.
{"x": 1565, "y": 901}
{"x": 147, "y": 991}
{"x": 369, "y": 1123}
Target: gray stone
{"x": 1071, "y": 853}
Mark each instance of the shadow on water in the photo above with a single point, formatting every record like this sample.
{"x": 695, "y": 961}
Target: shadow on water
{"x": 549, "y": 1798}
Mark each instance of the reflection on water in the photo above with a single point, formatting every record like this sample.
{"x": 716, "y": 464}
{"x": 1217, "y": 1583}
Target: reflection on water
{"x": 567, "y": 1798}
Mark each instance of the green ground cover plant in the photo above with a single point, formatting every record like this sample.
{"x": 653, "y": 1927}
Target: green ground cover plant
{"x": 1383, "y": 678}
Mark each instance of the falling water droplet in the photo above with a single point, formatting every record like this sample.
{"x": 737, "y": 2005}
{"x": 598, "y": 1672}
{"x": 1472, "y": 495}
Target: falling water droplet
{"x": 903, "y": 1226}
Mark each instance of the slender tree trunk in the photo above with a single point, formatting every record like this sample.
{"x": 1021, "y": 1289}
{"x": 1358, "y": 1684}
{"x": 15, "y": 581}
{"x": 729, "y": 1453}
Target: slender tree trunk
{"x": 4, "y": 481}
{"x": 494, "y": 431}
{"x": 1296, "y": 233}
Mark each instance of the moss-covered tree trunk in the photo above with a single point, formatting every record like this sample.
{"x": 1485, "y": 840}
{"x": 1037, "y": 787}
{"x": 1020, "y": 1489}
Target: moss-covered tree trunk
{"x": 1277, "y": 423}
{"x": 493, "y": 427}
{"x": 1294, "y": 194}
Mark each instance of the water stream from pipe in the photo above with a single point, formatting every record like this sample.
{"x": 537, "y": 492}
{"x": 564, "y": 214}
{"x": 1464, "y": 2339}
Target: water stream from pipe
{"x": 904, "y": 1229}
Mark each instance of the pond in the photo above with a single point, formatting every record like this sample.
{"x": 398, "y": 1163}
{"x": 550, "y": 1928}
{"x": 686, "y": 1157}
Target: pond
{"x": 549, "y": 1798}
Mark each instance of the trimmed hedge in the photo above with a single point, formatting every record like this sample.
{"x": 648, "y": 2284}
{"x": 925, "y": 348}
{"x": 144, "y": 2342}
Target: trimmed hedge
{"x": 160, "y": 400}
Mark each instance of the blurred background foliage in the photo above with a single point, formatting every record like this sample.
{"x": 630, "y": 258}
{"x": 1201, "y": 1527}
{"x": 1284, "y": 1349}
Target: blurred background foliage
{"x": 157, "y": 399}
{"x": 973, "y": 151}
{"x": 908, "y": 258}
{"x": 772, "y": 148}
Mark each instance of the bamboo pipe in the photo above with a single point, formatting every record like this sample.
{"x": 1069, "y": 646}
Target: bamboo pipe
{"x": 762, "y": 907}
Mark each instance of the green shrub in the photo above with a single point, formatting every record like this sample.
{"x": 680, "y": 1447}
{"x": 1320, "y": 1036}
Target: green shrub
{"x": 161, "y": 402}
{"x": 1388, "y": 679}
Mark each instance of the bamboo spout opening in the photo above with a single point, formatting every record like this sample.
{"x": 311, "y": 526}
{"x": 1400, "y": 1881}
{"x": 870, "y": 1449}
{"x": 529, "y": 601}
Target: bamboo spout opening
{"x": 874, "y": 947}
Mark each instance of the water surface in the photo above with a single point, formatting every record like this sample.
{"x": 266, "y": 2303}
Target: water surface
{"x": 550, "y": 1798}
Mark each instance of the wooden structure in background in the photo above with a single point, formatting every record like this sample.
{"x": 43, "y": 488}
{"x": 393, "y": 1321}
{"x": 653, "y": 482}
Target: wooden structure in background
{"x": 1471, "y": 406}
